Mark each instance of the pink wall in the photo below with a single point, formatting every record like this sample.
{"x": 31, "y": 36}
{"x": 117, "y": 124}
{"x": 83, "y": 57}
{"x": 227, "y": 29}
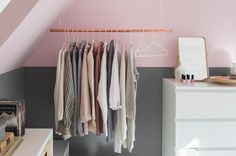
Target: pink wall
{"x": 215, "y": 20}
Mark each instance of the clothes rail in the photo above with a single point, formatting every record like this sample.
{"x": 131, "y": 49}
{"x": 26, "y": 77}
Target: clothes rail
{"x": 112, "y": 30}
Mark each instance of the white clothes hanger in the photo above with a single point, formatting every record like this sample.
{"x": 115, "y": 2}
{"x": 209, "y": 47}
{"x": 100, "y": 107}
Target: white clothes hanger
{"x": 77, "y": 38}
{"x": 141, "y": 48}
{"x": 124, "y": 49}
{"x": 131, "y": 38}
{"x": 105, "y": 35}
{"x": 73, "y": 35}
{"x": 100, "y": 35}
{"x": 93, "y": 41}
{"x": 65, "y": 41}
{"x": 83, "y": 33}
{"x": 116, "y": 36}
{"x": 154, "y": 43}
{"x": 68, "y": 39}
{"x": 87, "y": 36}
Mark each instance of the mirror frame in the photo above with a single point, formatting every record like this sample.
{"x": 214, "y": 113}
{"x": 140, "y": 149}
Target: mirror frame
{"x": 178, "y": 54}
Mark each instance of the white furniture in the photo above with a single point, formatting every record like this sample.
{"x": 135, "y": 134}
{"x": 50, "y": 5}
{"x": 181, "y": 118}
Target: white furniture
{"x": 36, "y": 142}
{"x": 198, "y": 120}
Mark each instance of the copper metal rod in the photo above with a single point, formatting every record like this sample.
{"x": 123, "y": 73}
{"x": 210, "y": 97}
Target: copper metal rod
{"x": 111, "y": 30}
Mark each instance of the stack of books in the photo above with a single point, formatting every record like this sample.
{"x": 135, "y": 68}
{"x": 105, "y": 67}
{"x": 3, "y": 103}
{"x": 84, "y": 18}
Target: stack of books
{"x": 9, "y": 144}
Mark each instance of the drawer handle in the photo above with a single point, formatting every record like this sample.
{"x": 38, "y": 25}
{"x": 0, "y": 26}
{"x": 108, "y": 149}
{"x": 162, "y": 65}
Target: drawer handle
{"x": 214, "y": 149}
{"x": 195, "y": 149}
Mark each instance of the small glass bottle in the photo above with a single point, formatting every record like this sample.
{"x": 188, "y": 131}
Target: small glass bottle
{"x": 179, "y": 70}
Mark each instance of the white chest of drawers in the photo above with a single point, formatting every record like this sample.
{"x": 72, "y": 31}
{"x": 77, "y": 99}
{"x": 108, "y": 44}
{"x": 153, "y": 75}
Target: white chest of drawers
{"x": 198, "y": 120}
{"x": 36, "y": 142}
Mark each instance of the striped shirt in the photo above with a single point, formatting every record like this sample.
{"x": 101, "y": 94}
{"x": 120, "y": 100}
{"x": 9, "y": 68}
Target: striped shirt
{"x": 65, "y": 124}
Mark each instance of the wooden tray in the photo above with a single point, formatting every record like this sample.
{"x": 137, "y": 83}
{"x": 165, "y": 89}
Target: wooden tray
{"x": 222, "y": 80}
{"x": 12, "y": 147}
{"x": 9, "y": 138}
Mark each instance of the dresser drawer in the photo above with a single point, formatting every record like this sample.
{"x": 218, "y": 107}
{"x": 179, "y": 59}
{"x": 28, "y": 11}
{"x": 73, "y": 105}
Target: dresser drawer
{"x": 206, "y": 105}
{"x": 47, "y": 151}
{"x": 205, "y": 135}
{"x": 206, "y": 153}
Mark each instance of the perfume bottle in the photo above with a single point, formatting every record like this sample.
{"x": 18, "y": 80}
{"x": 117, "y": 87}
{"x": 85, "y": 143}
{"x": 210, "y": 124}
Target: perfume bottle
{"x": 192, "y": 79}
{"x": 183, "y": 79}
{"x": 179, "y": 71}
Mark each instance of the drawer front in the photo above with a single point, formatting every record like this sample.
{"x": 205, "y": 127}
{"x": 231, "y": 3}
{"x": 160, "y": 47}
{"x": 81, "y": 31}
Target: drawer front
{"x": 205, "y": 135}
{"x": 206, "y": 105}
{"x": 47, "y": 151}
{"x": 206, "y": 153}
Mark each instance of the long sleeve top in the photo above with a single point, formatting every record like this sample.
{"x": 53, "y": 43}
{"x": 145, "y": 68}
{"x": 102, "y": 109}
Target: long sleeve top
{"x": 102, "y": 89}
{"x": 79, "y": 72}
{"x": 98, "y": 58}
{"x": 131, "y": 89}
{"x": 110, "y": 113}
{"x": 114, "y": 95}
{"x": 90, "y": 65}
{"x": 69, "y": 96}
{"x": 85, "y": 106}
{"x": 58, "y": 115}
{"x": 121, "y": 124}
{"x": 75, "y": 57}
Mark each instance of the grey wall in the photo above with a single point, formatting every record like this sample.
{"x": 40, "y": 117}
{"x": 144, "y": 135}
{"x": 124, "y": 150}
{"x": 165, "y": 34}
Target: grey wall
{"x": 12, "y": 84}
{"x": 38, "y": 87}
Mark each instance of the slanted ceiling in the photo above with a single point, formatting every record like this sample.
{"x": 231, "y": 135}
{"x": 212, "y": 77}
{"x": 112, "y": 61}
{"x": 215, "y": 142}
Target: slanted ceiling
{"x": 22, "y": 24}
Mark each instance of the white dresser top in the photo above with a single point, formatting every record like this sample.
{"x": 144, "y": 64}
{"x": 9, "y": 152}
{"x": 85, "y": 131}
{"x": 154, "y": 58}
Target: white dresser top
{"x": 199, "y": 86}
{"x": 33, "y": 142}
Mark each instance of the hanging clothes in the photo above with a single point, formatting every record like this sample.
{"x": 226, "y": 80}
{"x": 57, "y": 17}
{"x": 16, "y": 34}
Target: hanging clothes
{"x": 75, "y": 55}
{"x": 114, "y": 92}
{"x": 95, "y": 91}
{"x": 58, "y": 91}
{"x": 110, "y": 114}
{"x": 76, "y": 128}
{"x": 121, "y": 124}
{"x": 131, "y": 89}
{"x": 98, "y": 58}
{"x": 79, "y": 74}
{"x": 102, "y": 90}
{"x": 85, "y": 105}
{"x": 90, "y": 65}
{"x": 64, "y": 126}
{"x": 82, "y": 45}
{"x": 59, "y": 94}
